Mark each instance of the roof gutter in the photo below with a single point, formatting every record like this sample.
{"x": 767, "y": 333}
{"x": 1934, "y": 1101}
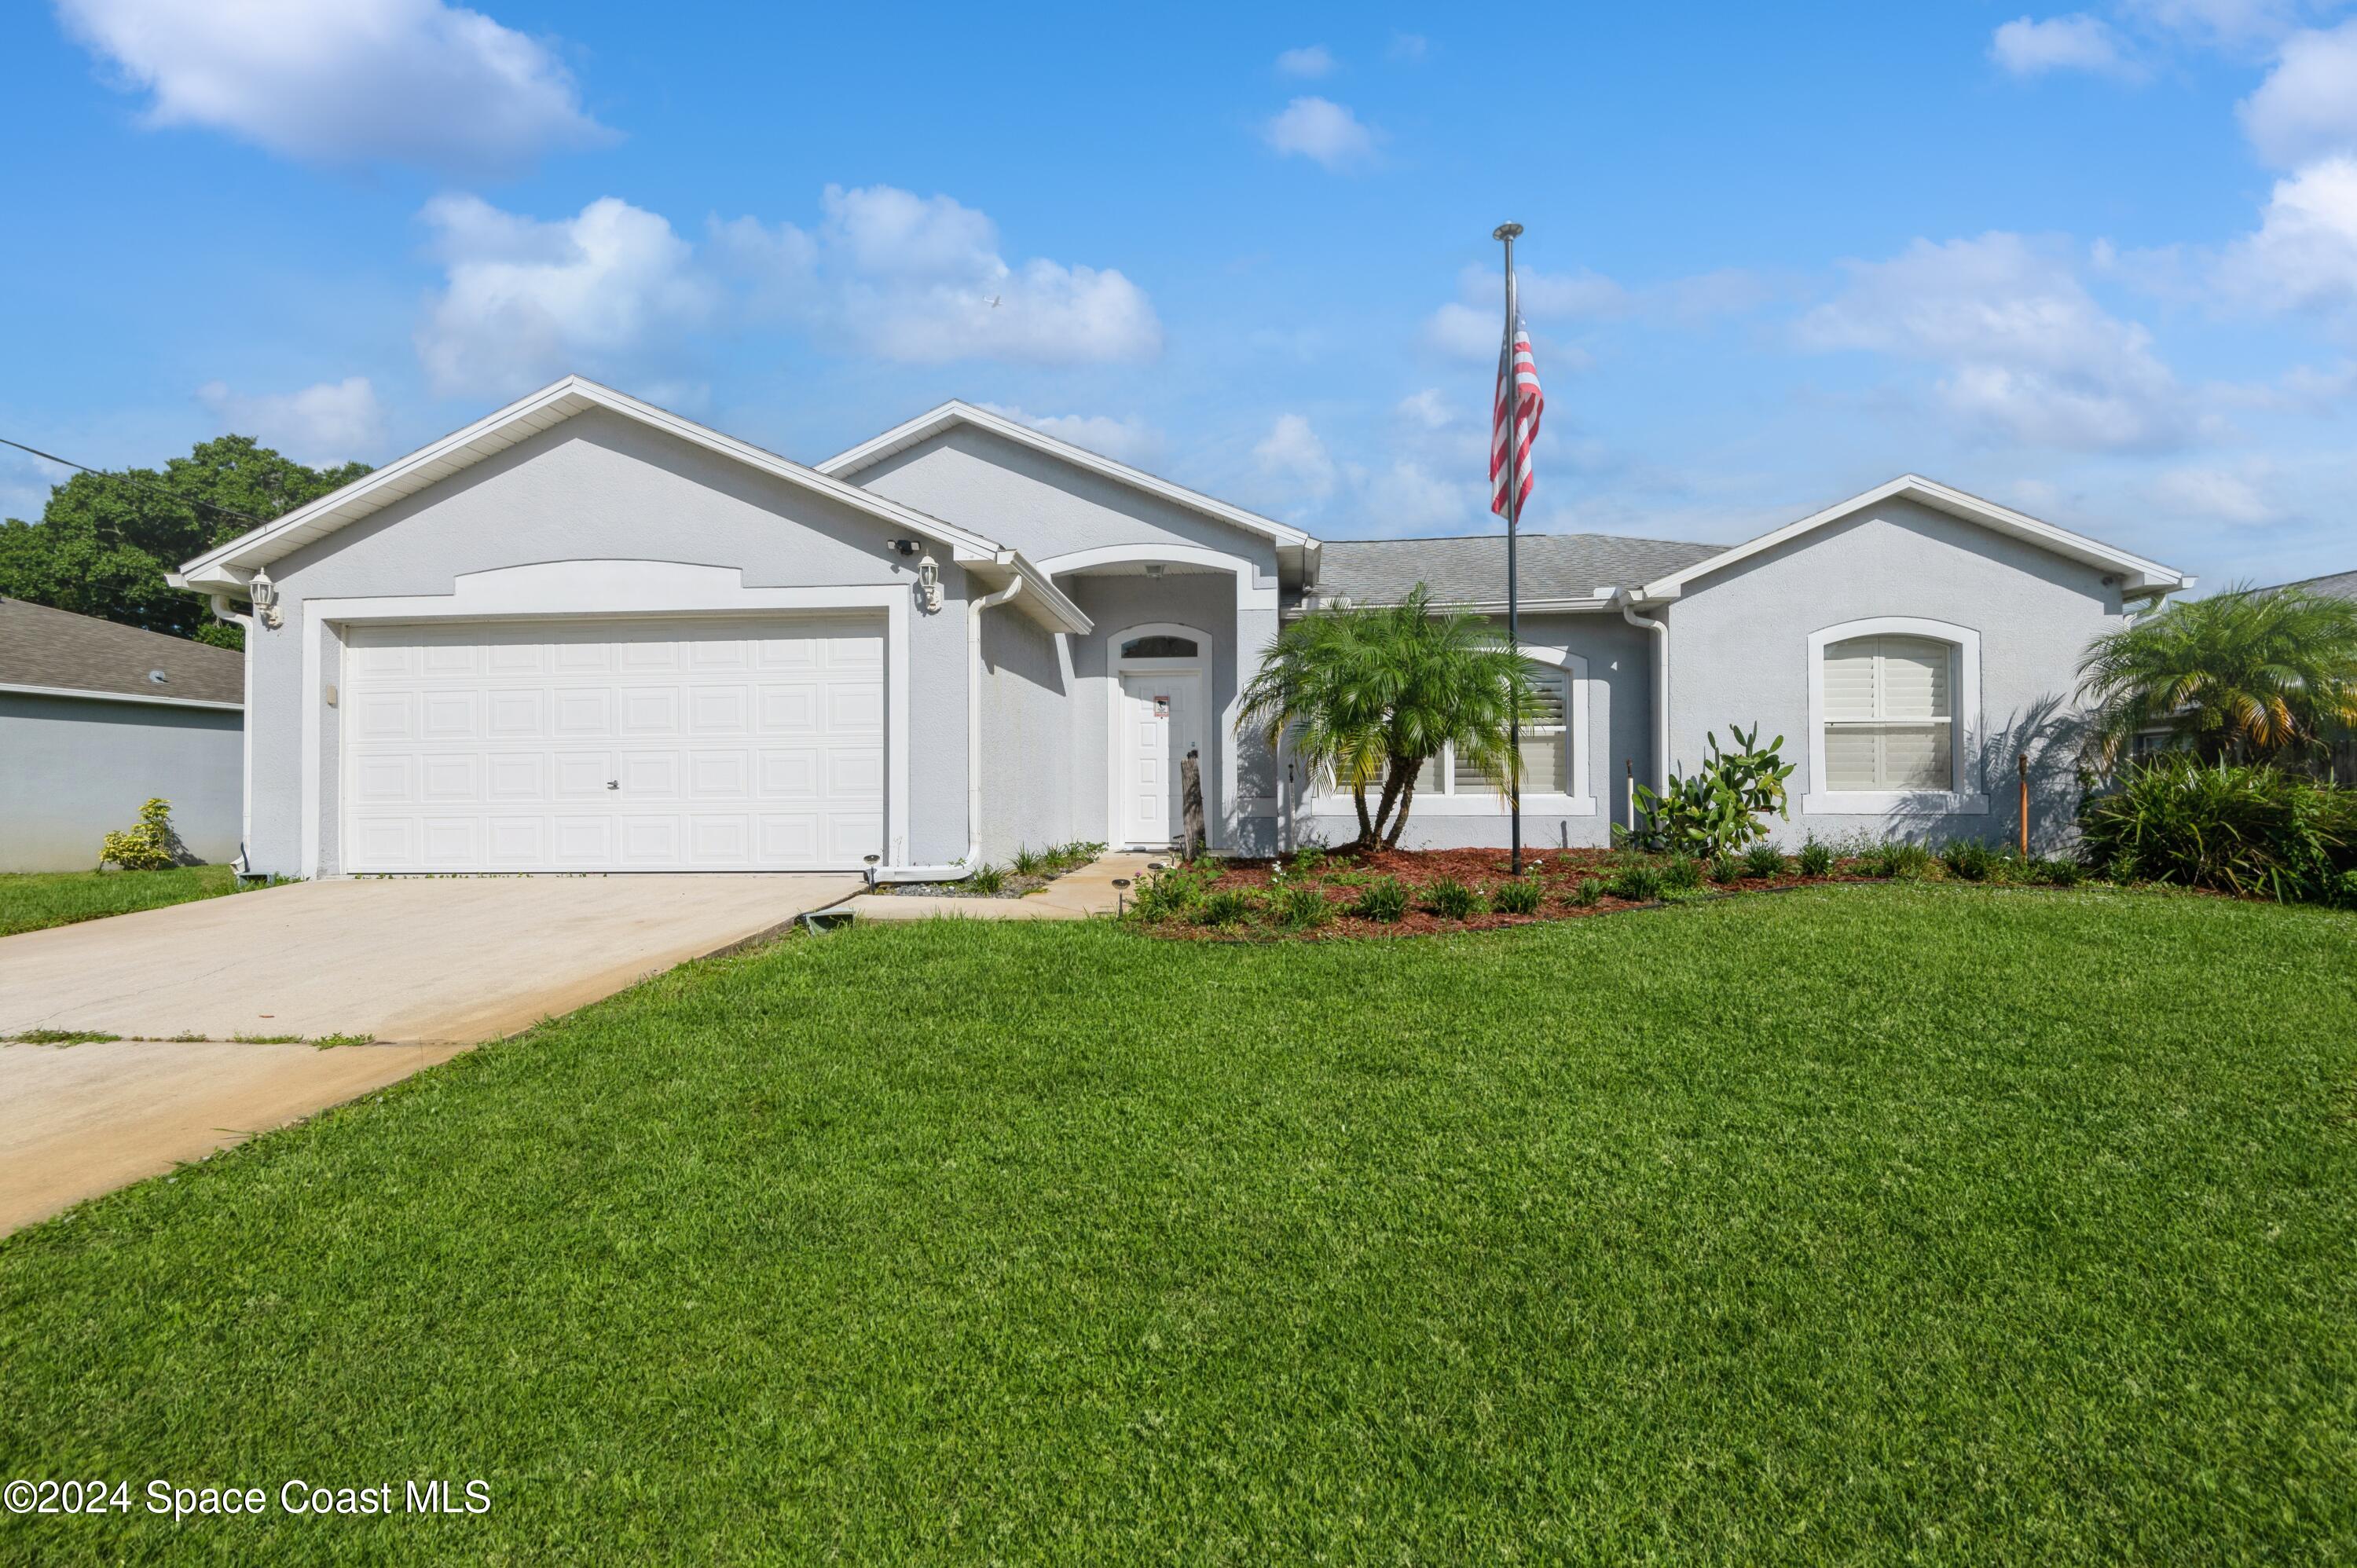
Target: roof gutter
{"x": 958, "y": 870}
{"x": 1626, "y": 599}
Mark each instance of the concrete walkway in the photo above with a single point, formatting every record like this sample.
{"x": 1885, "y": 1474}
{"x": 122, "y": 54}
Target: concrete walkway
{"x": 1075, "y": 896}
{"x": 438, "y": 963}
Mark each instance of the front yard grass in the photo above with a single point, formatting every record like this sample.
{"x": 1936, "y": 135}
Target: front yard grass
{"x": 1859, "y": 1223}
{"x": 30, "y": 900}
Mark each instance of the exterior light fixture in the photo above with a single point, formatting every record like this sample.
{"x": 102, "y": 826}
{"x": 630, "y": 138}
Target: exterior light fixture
{"x": 928, "y": 583}
{"x": 263, "y": 593}
{"x": 873, "y": 861}
{"x": 1120, "y": 886}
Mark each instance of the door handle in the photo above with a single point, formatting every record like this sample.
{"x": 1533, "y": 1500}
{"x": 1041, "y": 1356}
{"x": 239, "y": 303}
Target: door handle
{"x": 613, "y": 784}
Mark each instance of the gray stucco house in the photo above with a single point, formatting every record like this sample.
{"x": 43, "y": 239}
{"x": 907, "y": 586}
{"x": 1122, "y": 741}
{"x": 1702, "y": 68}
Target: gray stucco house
{"x": 95, "y": 718}
{"x": 585, "y": 634}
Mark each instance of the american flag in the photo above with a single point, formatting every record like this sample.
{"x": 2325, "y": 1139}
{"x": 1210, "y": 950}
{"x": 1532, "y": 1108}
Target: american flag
{"x": 1514, "y": 360}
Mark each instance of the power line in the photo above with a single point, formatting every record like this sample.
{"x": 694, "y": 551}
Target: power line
{"x": 143, "y": 484}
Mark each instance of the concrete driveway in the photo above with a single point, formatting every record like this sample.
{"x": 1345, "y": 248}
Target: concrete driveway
{"x": 428, "y": 966}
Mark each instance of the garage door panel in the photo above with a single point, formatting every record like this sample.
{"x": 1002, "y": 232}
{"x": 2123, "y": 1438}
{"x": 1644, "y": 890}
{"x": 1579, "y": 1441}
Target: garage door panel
{"x": 653, "y": 746}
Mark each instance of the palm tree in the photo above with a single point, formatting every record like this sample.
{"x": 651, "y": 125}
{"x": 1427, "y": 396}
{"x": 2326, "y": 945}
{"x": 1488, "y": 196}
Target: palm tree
{"x": 1379, "y": 692}
{"x": 2243, "y": 674}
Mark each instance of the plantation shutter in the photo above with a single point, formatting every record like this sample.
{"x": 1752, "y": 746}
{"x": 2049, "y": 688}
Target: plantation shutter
{"x": 1544, "y": 738}
{"x": 1889, "y": 722}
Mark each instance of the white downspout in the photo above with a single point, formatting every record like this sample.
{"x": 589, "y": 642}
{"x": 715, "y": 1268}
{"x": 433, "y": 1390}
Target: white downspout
{"x": 244, "y": 865}
{"x": 958, "y": 870}
{"x": 1660, "y": 631}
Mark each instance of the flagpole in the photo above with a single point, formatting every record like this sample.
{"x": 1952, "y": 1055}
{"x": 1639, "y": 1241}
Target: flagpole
{"x": 1506, "y": 231}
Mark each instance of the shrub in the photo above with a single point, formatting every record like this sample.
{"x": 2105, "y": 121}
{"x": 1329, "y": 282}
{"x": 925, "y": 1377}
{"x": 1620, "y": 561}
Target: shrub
{"x": 1169, "y": 893}
{"x": 1517, "y": 896}
{"x": 1228, "y": 906}
{"x": 1680, "y": 873}
{"x": 1309, "y": 860}
{"x": 2250, "y": 830}
{"x": 1718, "y": 810}
{"x": 1968, "y": 860}
{"x": 1637, "y": 883}
{"x": 988, "y": 881}
{"x": 1384, "y": 898}
{"x": 1725, "y": 868}
{"x": 1029, "y": 862}
{"x": 1898, "y": 858}
{"x": 1763, "y": 860}
{"x": 1816, "y": 859}
{"x": 2057, "y": 871}
{"x": 1301, "y": 907}
{"x": 1452, "y": 900}
{"x": 154, "y": 844}
{"x": 1588, "y": 891}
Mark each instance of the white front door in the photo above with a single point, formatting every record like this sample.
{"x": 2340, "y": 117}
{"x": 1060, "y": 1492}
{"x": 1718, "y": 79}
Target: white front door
{"x": 702, "y": 744}
{"x": 1161, "y": 718}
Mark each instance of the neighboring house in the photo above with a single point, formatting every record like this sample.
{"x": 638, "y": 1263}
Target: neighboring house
{"x": 584, "y": 634}
{"x": 95, "y": 718}
{"x": 2341, "y": 766}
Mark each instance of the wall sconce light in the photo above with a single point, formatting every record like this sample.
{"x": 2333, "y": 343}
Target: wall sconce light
{"x": 264, "y": 595}
{"x": 928, "y": 583}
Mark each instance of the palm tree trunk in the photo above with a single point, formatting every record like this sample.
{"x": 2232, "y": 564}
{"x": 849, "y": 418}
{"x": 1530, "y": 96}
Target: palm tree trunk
{"x": 1391, "y": 779}
{"x": 1407, "y": 794}
{"x": 1366, "y": 824}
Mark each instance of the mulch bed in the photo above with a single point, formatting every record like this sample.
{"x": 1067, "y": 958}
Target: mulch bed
{"x": 1558, "y": 870}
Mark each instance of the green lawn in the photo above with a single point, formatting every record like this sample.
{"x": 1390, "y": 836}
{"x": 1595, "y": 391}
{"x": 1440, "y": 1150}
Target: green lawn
{"x": 1859, "y": 1223}
{"x": 30, "y": 900}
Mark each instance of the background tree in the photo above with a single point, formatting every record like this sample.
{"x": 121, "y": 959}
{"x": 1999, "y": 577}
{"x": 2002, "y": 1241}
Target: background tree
{"x": 1373, "y": 692}
{"x": 106, "y": 541}
{"x": 2243, "y": 675}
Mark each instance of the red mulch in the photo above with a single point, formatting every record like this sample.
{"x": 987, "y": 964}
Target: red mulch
{"x": 1558, "y": 870}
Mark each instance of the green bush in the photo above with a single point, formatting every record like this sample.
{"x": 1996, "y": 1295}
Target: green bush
{"x": 1638, "y": 882}
{"x": 1027, "y": 862}
{"x": 1228, "y": 906}
{"x": 1452, "y": 900}
{"x": 1718, "y": 810}
{"x": 1384, "y": 898}
{"x": 1725, "y": 868}
{"x": 154, "y": 844}
{"x": 1763, "y": 860}
{"x": 2057, "y": 871}
{"x": 1816, "y": 859}
{"x": 1968, "y": 860}
{"x": 2257, "y": 831}
{"x": 1681, "y": 873}
{"x": 988, "y": 881}
{"x": 1517, "y": 896}
{"x": 1898, "y": 858}
{"x": 1309, "y": 860}
{"x": 1301, "y": 907}
{"x": 1586, "y": 891}
{"x": 1170, "y": 893}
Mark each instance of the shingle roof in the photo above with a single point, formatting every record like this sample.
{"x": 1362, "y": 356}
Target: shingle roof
{"x": 2338, "y": 585}
{"x": 1473, "y": 570}
{"x": 45, "y": 647}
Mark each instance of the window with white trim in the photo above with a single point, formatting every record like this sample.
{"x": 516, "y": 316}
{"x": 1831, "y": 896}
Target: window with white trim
{"x": 1547, "y": 749}
{"x": 1888, "y": 714}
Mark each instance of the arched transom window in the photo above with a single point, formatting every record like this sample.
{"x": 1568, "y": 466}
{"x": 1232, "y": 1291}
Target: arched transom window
{"x": 1158, "y": 645}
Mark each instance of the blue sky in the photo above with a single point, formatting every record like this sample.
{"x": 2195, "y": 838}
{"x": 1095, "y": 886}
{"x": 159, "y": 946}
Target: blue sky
{"x": 2098, "y": 264}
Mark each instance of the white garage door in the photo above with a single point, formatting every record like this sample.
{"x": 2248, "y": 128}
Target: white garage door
{"x": 688, "y": 745}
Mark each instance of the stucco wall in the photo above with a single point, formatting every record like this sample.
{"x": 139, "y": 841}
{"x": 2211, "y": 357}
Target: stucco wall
{"x": 1027, "y": 737}
{"x": 1619, "y": 729}
{"x": 599, "y": 487}
{"x": 72, "y": 770}
{"x": 1738, "y": 653}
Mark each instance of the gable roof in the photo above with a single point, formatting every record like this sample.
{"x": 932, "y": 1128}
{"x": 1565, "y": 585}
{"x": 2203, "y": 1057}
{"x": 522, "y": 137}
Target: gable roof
{"x": 2137, "y": 575}
{"x": 2333, "y": 585}
{"x": 230, "y": 567}
{"x": 53, "y": 651}
{"x": 1552, "y": 570}
{"x": 925, "y": 426}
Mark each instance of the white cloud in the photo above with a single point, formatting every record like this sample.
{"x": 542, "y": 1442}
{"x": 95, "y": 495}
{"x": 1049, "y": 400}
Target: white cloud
{"x": 1131, "y": 441}
{"x": 1469, "y": 326}
{"x": 2306, "y": 108}
{"x": 1310, "y": 62}
{"x": 2078, "y": 42}
{"x": 920, "y": 279}
{"x": 2226, "y": 23}
{"x": 413, "y": 81}
{"x": 524, "y": 301}
{"x": 2213, "y": 495}
{"x": 2026, "y": 353}
{"x": 2304, "y": 254}
{"x": 1293, "y": 456}
{"x": 1326, "y": 133}
{"x": 1408, "y": 47}
{"x": 323, "y": 425}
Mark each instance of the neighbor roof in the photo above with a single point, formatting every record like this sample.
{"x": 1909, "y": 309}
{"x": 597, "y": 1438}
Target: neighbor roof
{"x": 228, "y": 567}
{"x": 926, "y": 425}
{"x": 53, "y": 651}
{"x": 2338, "y": 585}
{"x": 1550, "y": 568}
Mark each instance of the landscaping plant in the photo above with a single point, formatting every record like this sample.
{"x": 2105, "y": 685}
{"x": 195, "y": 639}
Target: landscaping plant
{"x": 1763, "y": 860}
{"x": 1452, "y": 899}
{"x": 2255, "y": 831}
{"x": 1638, "y": 882}
{"x": 154, "y": 844}
{"x": 1681, "y": 873}
{"x": 1226, "y": 907}
{"x": 1725, "y": 868}
{"x": 1517, "y": 896}
{"x": 1968, "y": 860}
{"x": 1717, "y": 809}
{"x": 1816, "y": 859}
{"x": 1301, "y": 907}
{"x": 1171, "y": 892}
{"x": 1587, "y": 891}
{"x": 988, "y": 880}
{"x": 1385, "y": 900}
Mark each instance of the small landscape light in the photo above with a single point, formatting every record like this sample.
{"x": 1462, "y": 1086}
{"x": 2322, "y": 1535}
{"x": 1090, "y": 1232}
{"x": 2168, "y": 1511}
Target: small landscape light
{"x": 1119, "y": 903}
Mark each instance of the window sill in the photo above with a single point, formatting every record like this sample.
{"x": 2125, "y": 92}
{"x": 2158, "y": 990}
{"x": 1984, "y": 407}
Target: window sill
{"x": 1465, "y": 805}
{"x": 1910, "y": 802}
